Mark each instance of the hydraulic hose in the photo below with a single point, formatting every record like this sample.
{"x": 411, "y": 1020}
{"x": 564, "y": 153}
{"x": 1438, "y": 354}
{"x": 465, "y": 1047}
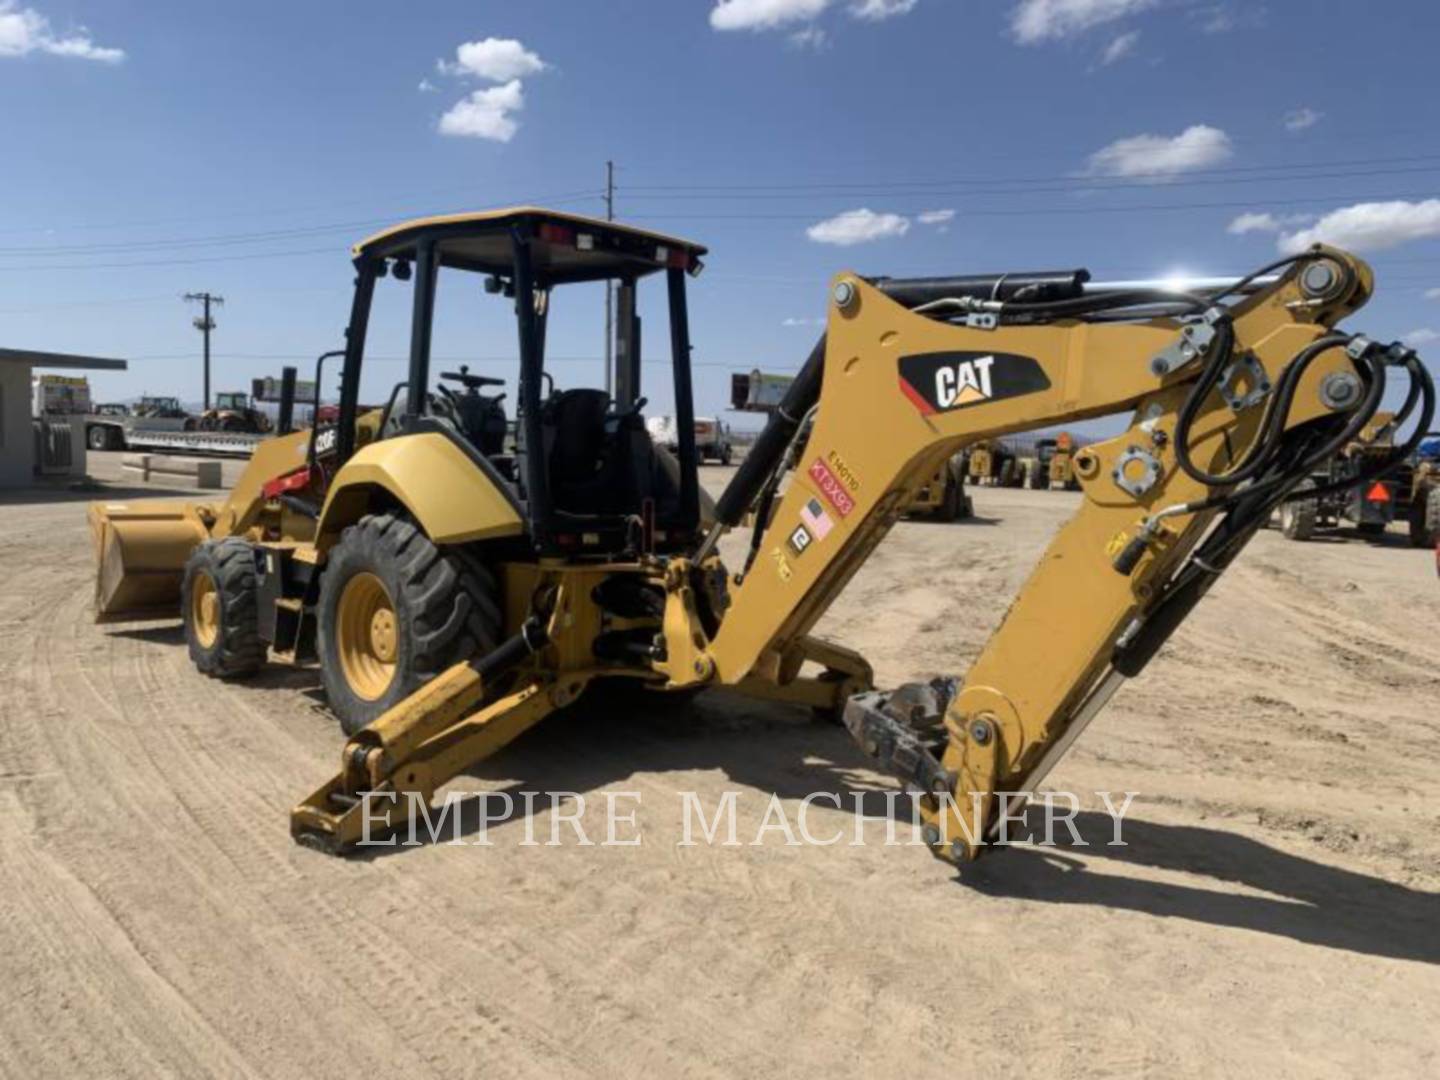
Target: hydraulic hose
{"x": 769, "y": 449}
{"x": 1267, "y": 440}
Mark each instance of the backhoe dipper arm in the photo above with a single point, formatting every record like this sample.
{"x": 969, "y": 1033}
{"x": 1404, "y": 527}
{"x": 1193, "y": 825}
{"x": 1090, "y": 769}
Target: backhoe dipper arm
{"x": 903, "y": 391}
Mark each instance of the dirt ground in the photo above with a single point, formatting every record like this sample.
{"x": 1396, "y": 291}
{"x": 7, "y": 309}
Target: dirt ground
{"x": 1276, "y": 912}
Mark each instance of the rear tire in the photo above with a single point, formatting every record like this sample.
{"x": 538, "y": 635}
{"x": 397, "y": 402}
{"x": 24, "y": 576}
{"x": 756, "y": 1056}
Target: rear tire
{"x": 952, "y": 501}
{"x": 1298, "y": 519}
{"x": 395, "y": 611}
{"x": 221, "y": 609}
{"x": 98, "y": 437}
{"x": 1425, "y": 519}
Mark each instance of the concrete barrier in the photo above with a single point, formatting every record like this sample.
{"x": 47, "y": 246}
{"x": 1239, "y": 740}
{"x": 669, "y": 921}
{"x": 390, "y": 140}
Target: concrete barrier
{"x": 162, "y": 467}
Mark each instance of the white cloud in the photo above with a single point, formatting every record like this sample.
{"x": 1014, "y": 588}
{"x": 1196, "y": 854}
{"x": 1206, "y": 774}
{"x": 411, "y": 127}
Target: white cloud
{"x": 25, "y": 30}
{"x": 763, "y": 14}
{"x": 810, "y": 37}
{"x": 795, "y": 321}
{"x": 875, "y": 10}
{"x": 1271, "y": 223}
{"x": 858, "y": 227}
{"x": 1120, "y": 48}
{"x": 1371, "y": 226}
{"x": 1036, "y": 21}
{"x": 936, "y": 217}
{"x": 1248, "y": 223}
{"x": 427, "y": 87}
{"x": 1300, "y": 119}
{"x": 486, "y": 114}
{"x": 496, "y": 59}
{"x": 1161, "y": 158}
{"x": 1423, "y": 336}
{"x": 1222, "y": 18}
{"x": 1432, "y": 294}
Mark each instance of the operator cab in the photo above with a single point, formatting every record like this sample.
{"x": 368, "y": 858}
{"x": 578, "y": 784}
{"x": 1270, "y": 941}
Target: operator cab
{"x": 580, "y": 468}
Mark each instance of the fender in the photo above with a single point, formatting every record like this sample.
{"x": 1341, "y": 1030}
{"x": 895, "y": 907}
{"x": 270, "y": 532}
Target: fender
{"x": 451, "y": 497}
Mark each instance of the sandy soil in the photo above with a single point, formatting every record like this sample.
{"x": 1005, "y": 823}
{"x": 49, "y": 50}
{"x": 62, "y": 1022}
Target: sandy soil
{"x": 1276, "y": 913}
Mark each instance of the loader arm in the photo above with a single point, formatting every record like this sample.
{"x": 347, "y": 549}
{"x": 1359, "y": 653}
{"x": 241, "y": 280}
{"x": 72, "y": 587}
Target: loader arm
{"x": 902, "y": 391}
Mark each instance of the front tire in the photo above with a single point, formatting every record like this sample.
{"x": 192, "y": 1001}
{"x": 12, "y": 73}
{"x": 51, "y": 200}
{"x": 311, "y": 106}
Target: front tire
{"x": 395, "y": 611}
{"x": 1298, "y": 519}
{"x": 221, "y": 609}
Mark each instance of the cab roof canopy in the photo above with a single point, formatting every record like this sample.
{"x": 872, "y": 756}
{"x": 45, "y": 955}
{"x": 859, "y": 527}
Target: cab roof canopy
{"x": 565, "y": 247}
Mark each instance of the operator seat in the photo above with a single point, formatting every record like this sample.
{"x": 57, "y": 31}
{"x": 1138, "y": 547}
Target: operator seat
{"x": 576, "y": 450}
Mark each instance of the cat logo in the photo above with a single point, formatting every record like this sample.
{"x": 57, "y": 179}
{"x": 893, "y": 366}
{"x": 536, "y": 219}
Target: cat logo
{"x": 944, "y": 381}
{"x": 964, "y": 384}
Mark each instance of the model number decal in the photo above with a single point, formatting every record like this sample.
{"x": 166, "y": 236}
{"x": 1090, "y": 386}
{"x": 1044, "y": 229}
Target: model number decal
{"x": 837, "y": 464}
{"x": 832, "y": 488}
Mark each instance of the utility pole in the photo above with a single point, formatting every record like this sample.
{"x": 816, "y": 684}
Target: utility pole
{"x": 204, "y": 323}
{"x": 609, "y": 287}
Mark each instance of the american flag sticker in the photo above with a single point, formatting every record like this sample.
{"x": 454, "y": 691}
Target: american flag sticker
{"x": 814, "y": 516}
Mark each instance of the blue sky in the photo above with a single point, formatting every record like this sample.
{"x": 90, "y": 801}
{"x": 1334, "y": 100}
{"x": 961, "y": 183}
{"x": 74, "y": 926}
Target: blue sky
{"x": 153, "y": 148}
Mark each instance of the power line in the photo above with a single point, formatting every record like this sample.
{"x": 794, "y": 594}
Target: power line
{"x": 585, "y": 193}
{"x": 129, "y": 301}
{"x": 1087, "y": 186}
{"x": 1140, "y": 208}
{"x": 233, "y": 238}
{"x": 1010, "y": 181}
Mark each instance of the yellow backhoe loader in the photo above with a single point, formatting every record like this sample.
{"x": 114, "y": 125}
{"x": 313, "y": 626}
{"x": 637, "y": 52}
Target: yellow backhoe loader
{"x": 453, "y": 593}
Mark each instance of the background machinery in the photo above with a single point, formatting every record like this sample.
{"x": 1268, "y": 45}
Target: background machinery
{"x": 453, "y": 596}
{"x": 1425, "y": 493}
{"x": 1403, "y": 494}
{"x": 153, "y": 408}
{"x": 233, "y": 411}
{"x": 991, "y": 463}
{"x": 1058, "y": 465}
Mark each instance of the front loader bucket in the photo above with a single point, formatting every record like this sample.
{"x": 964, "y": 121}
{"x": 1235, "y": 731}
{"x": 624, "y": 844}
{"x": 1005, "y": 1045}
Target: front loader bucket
{"x": 140, "y": 554}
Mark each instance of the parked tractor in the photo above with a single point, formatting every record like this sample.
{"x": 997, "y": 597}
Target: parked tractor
{"x": 233, "y": 411}
{"x": 1369, "y": 507}
{"x": 993, "y": 464}
{"x": 163, "y": 408}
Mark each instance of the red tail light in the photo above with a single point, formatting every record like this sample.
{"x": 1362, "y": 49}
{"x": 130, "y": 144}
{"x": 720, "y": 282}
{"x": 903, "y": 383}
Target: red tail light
{"x": 557, "y": 234}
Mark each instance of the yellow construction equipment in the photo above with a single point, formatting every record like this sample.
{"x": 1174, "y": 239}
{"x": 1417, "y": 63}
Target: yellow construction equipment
{"x": 454, "y": 593}
{"x": 1061, "y": 467}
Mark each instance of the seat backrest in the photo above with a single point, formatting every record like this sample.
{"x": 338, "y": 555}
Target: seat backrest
{"x": 576, "y": 423}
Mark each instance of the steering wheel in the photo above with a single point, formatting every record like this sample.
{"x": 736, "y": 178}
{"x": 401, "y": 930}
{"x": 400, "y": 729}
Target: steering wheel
{"x": 470, "y": 382}
{"x": 617, "y": 417}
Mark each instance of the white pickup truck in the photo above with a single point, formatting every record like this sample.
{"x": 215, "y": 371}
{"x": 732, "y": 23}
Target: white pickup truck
{"x": 712, "y": 437}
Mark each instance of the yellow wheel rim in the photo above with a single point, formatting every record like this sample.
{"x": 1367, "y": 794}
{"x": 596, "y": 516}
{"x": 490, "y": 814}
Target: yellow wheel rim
{"x": 205, "y": 610}
{"x": 367, "y": 636}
